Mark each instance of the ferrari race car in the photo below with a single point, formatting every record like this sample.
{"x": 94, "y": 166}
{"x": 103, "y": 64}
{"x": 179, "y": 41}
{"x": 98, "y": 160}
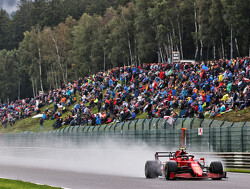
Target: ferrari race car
{"x": 182, "y": 165}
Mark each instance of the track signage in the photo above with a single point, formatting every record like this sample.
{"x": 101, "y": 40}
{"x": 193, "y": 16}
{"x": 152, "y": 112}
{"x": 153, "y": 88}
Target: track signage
{"x": 200, "y": 131}
{"x": 176, "y": 56}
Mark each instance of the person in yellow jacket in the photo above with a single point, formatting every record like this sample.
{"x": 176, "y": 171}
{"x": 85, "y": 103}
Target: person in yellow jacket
{"x": 225, "y": 97}
{"x": 220, "y": 78}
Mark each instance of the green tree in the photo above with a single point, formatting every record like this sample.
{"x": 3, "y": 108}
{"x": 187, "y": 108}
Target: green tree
{"x": 145, "y": 35}
{"x": 37, "y": 15}
{"x": 218, "y": 26}
{"x": 163, "y": 16}
{"x": 85, "y": 34}
{"x": 57, "y": 44}
{"x": 4, "y": 27}
{"x": 9, "y": 74}
{"x": 32, "y": 57}
{"x": 53, "y": 13}
{"x": 236, "y": 16}
{"x": 204, "y": 26}
{"x": 121, "y": 38}
{"x": 21, "y": 22}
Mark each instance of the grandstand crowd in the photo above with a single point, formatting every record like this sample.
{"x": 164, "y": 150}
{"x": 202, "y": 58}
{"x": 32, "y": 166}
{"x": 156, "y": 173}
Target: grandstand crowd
{"x": 158, "y": 89}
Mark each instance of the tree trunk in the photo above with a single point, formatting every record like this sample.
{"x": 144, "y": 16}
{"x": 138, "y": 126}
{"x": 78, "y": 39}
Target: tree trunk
{"x": 39, "y": 58}
{"x": 237, "y": 47}
{"x": 180, "y": 37}
{"x": 166, "y": 51}
{"x": 222, "y": 48}
{"x": 135, "y": 53}
{"x": 130, "y": 51}
{"x": 40, "y": 67}
{"x": 33, "y": 87}
{"x": 170, "y": 49}
{"x": 66, "y": 74}
{"x": 201, "y": 51}
{"x": 54, "y": 77}
{"x": 231, "y": 53}
{"x": 163, "y": 60}
{"x": 139, "y": 60}
{"x": 214, "y": 50}
{"x": 171, "y": 42}
{"x": 172, "y": 27}
{"x": 160, "y": 56}
{"x": 196, "y": 51}
{"x": 129, "y": 43}
{"x": 177, "y": 48}
{"x": 124, "y": 64}
{"x": 196, "y": 33}
{"x": 58, "y": 58}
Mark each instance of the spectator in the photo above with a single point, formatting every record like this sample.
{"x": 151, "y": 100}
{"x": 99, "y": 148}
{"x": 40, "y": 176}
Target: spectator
{"x": 41, "y": 123}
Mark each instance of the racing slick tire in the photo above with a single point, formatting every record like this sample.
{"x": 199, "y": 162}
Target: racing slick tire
{"x": 216, "y": 167}
{"x": 171, "y": 166}
{"x": 152, "y": 169}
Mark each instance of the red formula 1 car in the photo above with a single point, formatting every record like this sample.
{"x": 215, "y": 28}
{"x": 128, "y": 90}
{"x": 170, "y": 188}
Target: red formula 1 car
{"x": 182, "y": 165}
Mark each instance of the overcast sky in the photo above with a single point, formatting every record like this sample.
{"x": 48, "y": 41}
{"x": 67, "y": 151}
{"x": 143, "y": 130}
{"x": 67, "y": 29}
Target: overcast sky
{"x": 9, "y": 5}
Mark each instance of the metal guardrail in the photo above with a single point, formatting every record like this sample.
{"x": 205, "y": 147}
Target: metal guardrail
{"x": 236, "y": 160}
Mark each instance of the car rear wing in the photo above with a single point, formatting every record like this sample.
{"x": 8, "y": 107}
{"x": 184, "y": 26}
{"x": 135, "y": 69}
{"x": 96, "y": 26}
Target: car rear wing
{"x": 164, "y": 154}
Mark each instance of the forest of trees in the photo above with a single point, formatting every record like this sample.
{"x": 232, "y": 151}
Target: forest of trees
{"x": 46, "y": 43}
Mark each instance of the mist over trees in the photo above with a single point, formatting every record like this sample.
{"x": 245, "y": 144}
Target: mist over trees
{"x": 50, "y": 42}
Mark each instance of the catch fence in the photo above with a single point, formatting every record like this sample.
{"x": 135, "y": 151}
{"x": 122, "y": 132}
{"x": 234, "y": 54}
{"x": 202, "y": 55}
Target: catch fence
{"x": 216, "y": 136}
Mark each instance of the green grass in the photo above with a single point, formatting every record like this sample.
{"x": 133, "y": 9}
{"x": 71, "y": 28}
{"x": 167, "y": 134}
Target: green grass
{"x": 94, "y": 110}
{"x": 234, "y": 116}
{"x": 237, "y": 170}
{"x": 142, "y": 116}
{"x": 33, "y": 124}
{"x": 10, "y": 184}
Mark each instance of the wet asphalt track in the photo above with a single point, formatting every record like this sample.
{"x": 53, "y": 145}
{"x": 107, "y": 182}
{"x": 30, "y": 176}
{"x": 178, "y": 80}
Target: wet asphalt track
{"x": 64, "y": 164}
{"x": 80, "y": 180}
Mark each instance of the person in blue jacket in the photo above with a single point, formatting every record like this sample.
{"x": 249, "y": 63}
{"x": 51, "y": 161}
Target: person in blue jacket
{"x": 98, "y": 121}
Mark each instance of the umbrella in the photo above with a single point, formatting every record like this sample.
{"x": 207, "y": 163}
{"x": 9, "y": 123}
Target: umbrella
{"x": 204, "y": 67}
{"x": 169, "y": 119}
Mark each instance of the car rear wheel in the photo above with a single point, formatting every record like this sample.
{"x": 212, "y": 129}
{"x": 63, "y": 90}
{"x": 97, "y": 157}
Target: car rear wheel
{"x": 171, "y": 166}
{"x": 216, "y": 167}
{"x": 152, "y": 169}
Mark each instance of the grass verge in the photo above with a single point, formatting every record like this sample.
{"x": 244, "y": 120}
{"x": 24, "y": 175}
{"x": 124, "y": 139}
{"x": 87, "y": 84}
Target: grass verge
{"x": 238, "y": 170}
{"x": 33, "y": 124}
{"x": 10, "y": 184}
{"x": 236, "y": 116}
